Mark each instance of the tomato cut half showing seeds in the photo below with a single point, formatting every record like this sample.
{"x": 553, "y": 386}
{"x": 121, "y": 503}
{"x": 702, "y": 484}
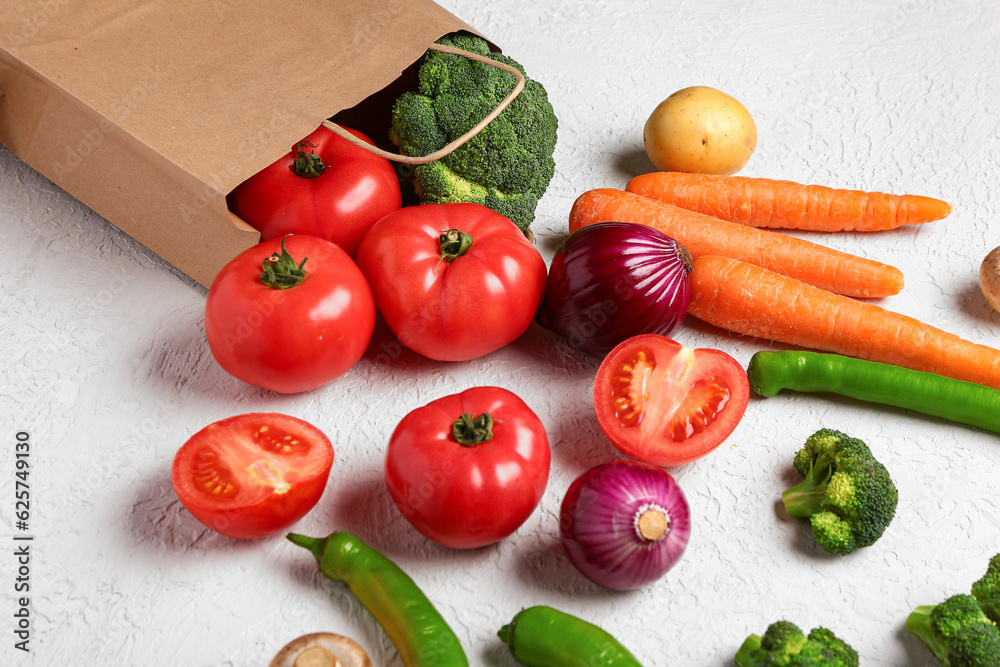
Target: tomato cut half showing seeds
{"x": 252, "y": 475}
{"x": 661, "y": 402}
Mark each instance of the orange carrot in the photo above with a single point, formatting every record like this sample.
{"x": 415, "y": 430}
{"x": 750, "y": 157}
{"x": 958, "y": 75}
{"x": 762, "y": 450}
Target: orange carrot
{"x": 749, "y": 300}
{"x": 764, "y": 202}
{"x": 704, "y": 235}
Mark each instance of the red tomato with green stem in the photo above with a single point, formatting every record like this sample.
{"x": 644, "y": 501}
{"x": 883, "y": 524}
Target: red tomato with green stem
{"x": 289, "y": 314}
{"x": 453, "y": 281}
{"x": 252, "y": 475}
{"x": 666, "y": 404}
{"x": 325, "y": 186}
{"x": 468, "y": 469}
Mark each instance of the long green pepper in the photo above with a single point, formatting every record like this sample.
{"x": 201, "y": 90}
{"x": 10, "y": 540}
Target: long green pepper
{"x": 545, "y": 637}
{"x": 416, "y": 628}
{"x": 928, "y": 393}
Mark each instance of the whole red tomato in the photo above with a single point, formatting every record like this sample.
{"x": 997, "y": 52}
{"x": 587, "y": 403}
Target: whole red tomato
{"x": 252, "y": 475}
{"x": 289, "y": 314}
{"x": 453, "y": 281}
{"x": 325, "y": 186}
{"x": 468, "y": 469}
{"x": 666, "y": 404}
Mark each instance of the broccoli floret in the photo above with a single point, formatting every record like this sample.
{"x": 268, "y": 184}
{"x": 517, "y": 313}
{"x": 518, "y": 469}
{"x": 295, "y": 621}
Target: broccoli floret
{"x": 848, "y": 496}
{"x": 509, "y": 164}
{"x": 987, "y": 590}
{"x": 963, "y": 630}
{"x": 785, "y": 645}
{"x": 957, "y": 632}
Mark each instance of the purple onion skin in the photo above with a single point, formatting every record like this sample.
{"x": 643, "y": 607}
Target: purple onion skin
{"x": 599, "y": 529}
{"x": 614, "y": 280}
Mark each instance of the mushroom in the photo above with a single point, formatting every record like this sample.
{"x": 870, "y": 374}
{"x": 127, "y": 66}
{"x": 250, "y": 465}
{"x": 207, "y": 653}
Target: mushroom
{"x": 989, "y": 278}
{"x": 322, "y": 649}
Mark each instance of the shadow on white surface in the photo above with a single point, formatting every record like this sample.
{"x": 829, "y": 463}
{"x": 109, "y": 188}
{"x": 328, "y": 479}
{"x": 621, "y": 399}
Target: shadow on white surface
{"x": 631, "y": 163}
{"x": 972, "y": 302}
{"x": 799, "y": 532}
{"x": 160, "y": 523}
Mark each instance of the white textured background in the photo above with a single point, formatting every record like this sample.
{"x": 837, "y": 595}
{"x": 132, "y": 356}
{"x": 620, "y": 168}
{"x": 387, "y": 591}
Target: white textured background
{"x": 105, "y": 364}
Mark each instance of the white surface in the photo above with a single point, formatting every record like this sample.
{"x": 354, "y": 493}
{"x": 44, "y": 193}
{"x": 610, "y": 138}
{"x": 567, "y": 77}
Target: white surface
{"x": 106, "y": 365}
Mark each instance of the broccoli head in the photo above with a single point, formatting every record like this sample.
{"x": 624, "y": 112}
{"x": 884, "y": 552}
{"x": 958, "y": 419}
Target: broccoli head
{"x": 848, "y": 496}
{"x": 957, "y": 632}
{"x": 987, "y": 590}
{"x": 785, "y": 645}
{"x": 508, "y": 165}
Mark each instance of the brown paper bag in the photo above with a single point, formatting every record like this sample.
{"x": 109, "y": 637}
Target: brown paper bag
{"x": 151, "y": 111}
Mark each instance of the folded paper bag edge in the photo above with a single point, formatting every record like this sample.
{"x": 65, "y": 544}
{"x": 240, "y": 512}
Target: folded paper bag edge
{"x": 179, "y": 215}
{"x": 225, "y": 89}
{"x": 180, "y": 218}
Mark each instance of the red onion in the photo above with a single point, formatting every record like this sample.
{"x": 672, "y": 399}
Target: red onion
{"x": 614, "y": 280}
{"x": 623, "y": 524}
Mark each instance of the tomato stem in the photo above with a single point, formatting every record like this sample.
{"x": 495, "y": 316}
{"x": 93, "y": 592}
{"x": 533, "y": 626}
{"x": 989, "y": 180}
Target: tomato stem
{"x": 454, "y": 243}
{"x": 281, "y": 271}
{"x": 469, "y": 431}
{"x": 308, "y": 164}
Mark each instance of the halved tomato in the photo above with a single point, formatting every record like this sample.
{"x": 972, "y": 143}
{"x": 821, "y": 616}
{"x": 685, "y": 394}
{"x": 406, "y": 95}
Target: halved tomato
{"x": 252, "y": 475}
{"x": 661, "y": 402}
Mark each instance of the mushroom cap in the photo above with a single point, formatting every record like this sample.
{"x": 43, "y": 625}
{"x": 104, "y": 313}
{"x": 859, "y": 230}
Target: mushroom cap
{"x": 321, "y": 649}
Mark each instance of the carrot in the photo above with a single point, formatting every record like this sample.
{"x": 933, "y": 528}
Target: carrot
{"x": 746, "y": 299}
{"x": 764, "y": 202}
{"x": 704, "y": 235}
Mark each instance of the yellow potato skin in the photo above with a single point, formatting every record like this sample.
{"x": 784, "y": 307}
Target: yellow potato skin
{"x": 700, "y": 130}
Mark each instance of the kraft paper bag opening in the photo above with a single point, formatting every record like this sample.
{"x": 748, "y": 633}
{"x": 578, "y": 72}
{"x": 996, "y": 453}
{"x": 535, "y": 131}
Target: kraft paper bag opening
{"x": 151, "y": 111}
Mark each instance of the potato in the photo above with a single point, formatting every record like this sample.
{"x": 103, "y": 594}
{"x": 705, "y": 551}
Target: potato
{"x": 700, "y": 130}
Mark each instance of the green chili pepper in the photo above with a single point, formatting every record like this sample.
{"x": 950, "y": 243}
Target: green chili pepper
{"x": 416, "y": 628}
{"x": 929, "y": 393}
{"x": 545, "y": 637}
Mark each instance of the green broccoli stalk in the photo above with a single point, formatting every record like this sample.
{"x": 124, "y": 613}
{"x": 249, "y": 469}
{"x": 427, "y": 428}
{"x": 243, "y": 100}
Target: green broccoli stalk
{"x": 963, "y": 630}
{"x": 785, "y": 645}
{"x": 848, "y": 496}
{"x": 508, "y": 165}
{"x": 957, "y": 632}
{"x": 987, "y": 590}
